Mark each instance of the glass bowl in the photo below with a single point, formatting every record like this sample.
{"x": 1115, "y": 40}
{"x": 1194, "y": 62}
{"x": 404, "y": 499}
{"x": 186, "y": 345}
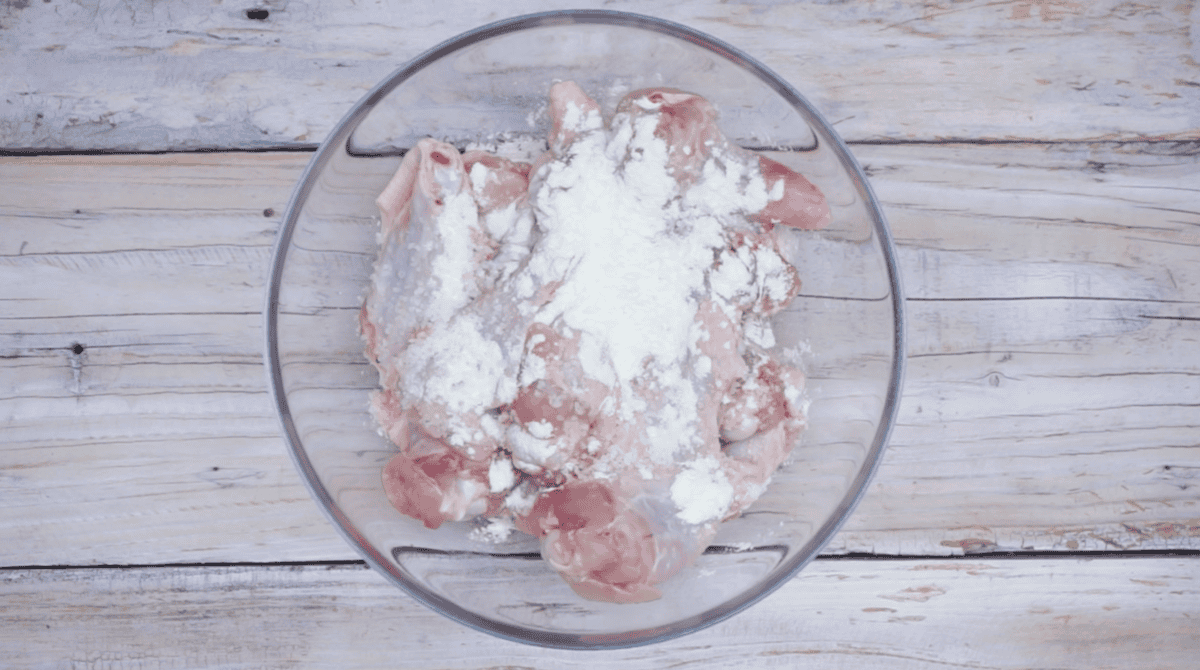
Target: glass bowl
{"x": 492, "y": 83}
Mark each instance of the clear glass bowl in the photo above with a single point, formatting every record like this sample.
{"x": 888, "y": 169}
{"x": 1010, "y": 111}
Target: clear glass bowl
{"x": 494, "y": 81}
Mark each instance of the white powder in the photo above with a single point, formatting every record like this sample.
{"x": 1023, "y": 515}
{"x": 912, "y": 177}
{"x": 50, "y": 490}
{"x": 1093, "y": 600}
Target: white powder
{"x": 500, "y": 475}
{"x": 759, "y": 332}
{"x": 479, "y": 178}
{"x": 633, "y": 259}
{"x": 701, "y": 491}
{"x": 514, "y": 146}
{"x": 540, "y": 429}
{"x": 531, "y": 451}
{"x": 497, "y": 530}
{"x": 777, "y": 190}
{"x": 454, "y": 266}
{"x": 575, "y": 119}
{"x": 728, "y": 186}
{"x": 533, "y": 368}
{"x": 629, "y": 281}
{"x": 458, "y": 367}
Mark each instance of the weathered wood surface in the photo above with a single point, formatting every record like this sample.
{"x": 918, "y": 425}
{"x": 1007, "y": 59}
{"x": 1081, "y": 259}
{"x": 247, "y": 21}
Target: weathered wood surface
{"x": 981, "y": 614}
{"x": 180, "y": 74}
{"x": 1039, "y": 161}
{"x": 1050, "y": 404}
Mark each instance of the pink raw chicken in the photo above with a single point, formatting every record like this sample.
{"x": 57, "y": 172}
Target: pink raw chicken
{"x": 504, "y": 383}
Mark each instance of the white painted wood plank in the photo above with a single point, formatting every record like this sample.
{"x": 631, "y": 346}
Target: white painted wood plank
{"x": 988, "y": 614}
{"x": 161, "y": 429}
{"x": 182, "y": 74}
{"x": 1091, "y": 355}
{"x": 1050, "y": 403}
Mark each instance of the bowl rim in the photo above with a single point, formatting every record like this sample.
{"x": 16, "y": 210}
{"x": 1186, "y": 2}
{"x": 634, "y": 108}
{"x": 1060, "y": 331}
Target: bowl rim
{"x": 341, "y": 134}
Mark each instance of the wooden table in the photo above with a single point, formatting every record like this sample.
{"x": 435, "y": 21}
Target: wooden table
{"x": 1039, "y": 161}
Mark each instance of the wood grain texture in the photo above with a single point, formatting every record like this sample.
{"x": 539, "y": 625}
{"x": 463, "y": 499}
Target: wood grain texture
{"x": 1050, "y": 402}
{"x": 972, "y": 614}
{"x": 178, "y": 74}
{"x": 143, "y": 446}
{"x": 1052, "y": 311}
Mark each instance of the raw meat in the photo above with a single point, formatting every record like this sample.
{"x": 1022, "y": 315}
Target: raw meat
{"x": 579, "y": 347}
